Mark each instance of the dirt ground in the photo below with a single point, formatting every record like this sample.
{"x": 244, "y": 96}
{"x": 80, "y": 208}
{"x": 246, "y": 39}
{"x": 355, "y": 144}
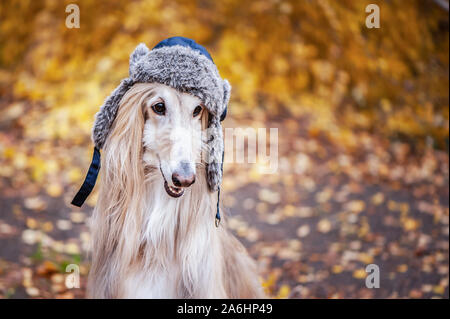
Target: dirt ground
{"x": 313, "y": 227}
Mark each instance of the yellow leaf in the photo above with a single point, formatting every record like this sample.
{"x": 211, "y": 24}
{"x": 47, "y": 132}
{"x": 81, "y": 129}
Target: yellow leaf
{"x": 72, "y": 249}
{"x": 410, "y": 224}
{"x": 54, "y": 189}
{"x": 359, "y": 274}
{"x": 356, "y": 206}
{"x": 365, "y": 258}
{"x": 439, "y": 290}
{"x": 32, "y": 223}
{"x": 402, "y": 268}
{"x": 47, "y": 227}
{"x": 283, "y": 292}
{"x": 324, "y": 226}
{"x": 378, "y": 199}
{"x": 337, "y": 269}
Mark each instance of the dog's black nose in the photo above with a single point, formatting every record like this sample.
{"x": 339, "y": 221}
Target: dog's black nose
{"x": 184, "y": 175}
{"x": 181, "y": 180}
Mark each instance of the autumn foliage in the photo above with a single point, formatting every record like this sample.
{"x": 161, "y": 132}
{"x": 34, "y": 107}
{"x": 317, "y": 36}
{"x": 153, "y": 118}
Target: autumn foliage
{"x": 307, "y": 65}
{"x": 301, "y": 57}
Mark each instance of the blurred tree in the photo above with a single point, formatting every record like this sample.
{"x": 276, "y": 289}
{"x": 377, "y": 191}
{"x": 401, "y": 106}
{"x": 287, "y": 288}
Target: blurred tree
{"x": 301, "y": 57}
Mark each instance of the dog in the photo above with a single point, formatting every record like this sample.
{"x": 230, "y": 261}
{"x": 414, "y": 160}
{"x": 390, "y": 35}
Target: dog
{"x": 153, "y": 234}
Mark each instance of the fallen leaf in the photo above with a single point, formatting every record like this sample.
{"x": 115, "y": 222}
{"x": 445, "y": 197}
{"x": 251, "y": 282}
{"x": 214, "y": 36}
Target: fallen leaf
{"x": 32, "y": 291}
{"x": 324, "y": 226}
{"x": 283, "y": 292}
{"x": 303, "y": 231}
{"x": 46, "y": 268}
{"x": 402, "y": 268}
{"x": 355, "y": 206}
{"x": 378, "y": 199}
{"x": 359, "y": 274}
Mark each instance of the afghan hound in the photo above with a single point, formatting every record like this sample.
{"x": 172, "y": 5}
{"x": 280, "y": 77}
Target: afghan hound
{"x": 153, "y": 233}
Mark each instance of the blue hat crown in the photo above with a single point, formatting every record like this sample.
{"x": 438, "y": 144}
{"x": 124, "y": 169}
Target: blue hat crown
{"x": 185, "y": 42}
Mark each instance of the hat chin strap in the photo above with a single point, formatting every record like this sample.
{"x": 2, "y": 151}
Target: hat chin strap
{"x": 218, "y": 218}
{"x": 94, "y": 168}
{"x": 91, "y": 178}
{"x": 218, "y": 193}
{"x": 89, "y": 181}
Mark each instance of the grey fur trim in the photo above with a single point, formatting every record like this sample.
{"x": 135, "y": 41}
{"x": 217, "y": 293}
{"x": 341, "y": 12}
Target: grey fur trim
{"x": 226, "y": 92}
{"x": 215, "y": 146}
{"x": 137, "y": 54}
{"x": 108, "y": 111}
{"x": 187, "y": 71}
{"x": 182, "y": 68}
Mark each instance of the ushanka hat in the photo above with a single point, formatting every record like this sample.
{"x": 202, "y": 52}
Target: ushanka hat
{"x": 186, "y": 66}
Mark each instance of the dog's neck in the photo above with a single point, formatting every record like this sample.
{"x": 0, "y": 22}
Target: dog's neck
{"x": 179, "y": 239}
{"x": 169, "y": 220}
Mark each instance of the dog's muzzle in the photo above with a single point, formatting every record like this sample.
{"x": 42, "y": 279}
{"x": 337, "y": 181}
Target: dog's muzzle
{"x": 173, "y": 191}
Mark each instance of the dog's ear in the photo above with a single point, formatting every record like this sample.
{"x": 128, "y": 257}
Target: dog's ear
{"x": 137, "y": 54}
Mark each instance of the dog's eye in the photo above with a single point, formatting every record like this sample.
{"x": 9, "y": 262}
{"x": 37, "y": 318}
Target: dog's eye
{"x": 197, "y": 111}
{"x": 159, "y": 108}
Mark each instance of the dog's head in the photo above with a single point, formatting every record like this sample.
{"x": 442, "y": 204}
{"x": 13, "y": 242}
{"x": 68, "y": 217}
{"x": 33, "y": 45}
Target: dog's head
{"x": 172, "y": 136}
{"x": 159, "y": 129}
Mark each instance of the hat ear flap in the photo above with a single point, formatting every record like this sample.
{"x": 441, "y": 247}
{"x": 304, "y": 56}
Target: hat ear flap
{"x": 105, "y": 117}
{"x": 215, "y": 146}
{"x": 214, "y": 168}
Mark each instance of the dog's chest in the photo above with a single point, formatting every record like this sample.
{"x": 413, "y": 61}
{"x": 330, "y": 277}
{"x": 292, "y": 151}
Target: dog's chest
{"x": 179, "y": 260}
{"x": 157, "y": 284}
{"x": 159, "y": 275}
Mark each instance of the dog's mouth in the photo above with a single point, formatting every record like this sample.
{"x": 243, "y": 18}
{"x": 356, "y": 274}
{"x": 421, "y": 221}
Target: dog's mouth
{"x": 173, "y": 191}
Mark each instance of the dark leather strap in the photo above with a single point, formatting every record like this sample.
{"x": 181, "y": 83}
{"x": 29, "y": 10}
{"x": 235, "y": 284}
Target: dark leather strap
{"x": 89, "y": 181}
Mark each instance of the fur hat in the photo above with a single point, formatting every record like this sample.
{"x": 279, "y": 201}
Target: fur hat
{"x": 186, "y": 66}
{"x": 183, "y": 64}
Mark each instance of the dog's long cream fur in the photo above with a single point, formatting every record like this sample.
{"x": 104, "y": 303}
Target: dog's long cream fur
{"x": 145, "y": 243}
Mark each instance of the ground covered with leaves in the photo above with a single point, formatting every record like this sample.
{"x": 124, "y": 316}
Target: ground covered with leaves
{"x": 333, "y": 208}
